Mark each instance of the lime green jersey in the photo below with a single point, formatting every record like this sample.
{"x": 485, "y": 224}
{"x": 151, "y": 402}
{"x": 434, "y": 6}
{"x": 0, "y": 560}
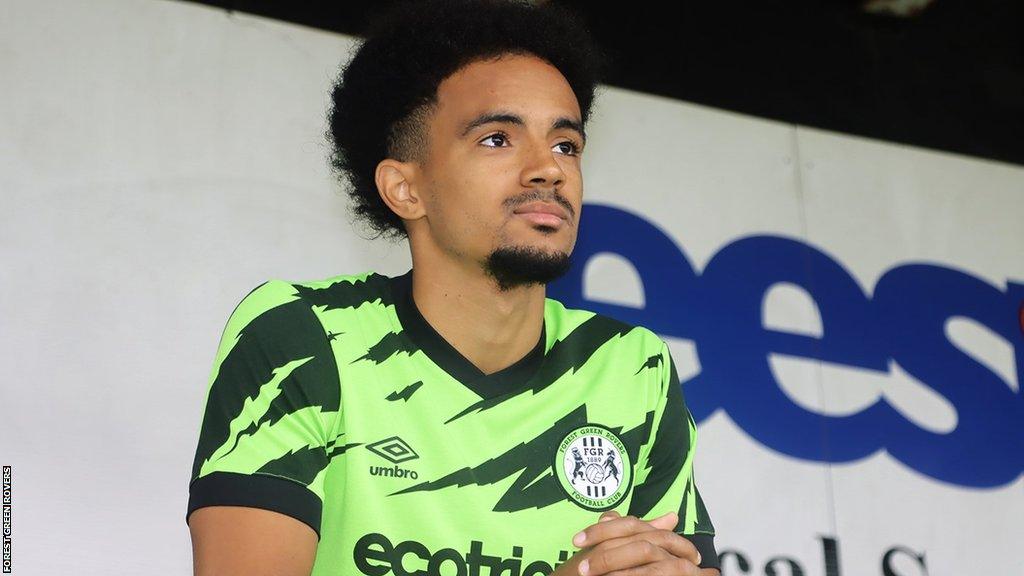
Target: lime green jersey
{"x": 335, "y": 402}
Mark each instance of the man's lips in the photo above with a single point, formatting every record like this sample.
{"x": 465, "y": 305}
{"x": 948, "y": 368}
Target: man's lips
{"x": 541, "y": 218}
{"x": 538, "y": 209}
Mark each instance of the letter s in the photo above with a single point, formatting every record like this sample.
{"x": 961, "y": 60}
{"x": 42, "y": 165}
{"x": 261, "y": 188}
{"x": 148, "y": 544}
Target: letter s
{"x": 986, "y": 448}
{"x": 887, "y": 569}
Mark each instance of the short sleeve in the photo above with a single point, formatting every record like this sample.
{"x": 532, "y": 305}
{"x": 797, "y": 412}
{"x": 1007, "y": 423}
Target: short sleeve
{"x": 665, "y": 477}
{"x": 272, "y": 407}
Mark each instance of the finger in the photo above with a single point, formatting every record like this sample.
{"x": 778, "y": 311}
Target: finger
{"x": 609, "y": 515}
{"x": 635, "y": 553}
{"x": 674, "y": 567}
{"x": 679, "y": 546}
{"x": 666, "y": 522}
{"x": 675, "y": 544}
{"x": 614, "y": 528}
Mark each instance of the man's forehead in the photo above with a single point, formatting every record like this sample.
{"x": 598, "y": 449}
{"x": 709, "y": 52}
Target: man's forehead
{"x": 525, "y": 84}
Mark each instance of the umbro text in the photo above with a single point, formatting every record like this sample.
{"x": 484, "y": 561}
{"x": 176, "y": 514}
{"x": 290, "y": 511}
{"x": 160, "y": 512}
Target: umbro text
{"x": 393, "y": 472}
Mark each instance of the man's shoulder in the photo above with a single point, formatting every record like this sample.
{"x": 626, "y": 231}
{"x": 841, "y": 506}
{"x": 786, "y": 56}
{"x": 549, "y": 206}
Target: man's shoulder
{"x": 342, "y": 290}
{"x": 279, "y": 299}
{"x": 567, "y": 320}
{"x": 368, "y": 280}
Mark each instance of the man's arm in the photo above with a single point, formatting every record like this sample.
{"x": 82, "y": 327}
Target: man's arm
{"x": 238, "y": 540}
{"x": 665, "y": 474}
{"x": 257, "y": 488}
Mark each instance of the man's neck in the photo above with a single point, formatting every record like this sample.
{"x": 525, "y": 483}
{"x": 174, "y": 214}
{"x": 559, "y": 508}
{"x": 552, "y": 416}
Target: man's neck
{"x": 491, "y": 328}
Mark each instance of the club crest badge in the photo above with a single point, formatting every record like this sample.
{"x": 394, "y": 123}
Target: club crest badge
{"x": 593, "y": 467}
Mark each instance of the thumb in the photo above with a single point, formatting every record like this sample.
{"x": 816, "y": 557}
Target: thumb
{"x": 666, "y": 521}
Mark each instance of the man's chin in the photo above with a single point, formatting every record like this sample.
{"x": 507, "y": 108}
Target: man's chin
{"x": 524, "y": 265}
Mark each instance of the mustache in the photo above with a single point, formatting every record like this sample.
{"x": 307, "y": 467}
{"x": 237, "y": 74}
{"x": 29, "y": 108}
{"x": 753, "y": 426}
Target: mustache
{"x": 540, "y": 196}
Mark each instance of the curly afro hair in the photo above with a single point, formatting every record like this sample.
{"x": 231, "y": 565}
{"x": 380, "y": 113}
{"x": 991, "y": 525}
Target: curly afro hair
{"x": 384, "y": 95}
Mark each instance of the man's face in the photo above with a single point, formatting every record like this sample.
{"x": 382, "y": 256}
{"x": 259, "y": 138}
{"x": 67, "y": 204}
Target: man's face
{"x": 492, "y": 184}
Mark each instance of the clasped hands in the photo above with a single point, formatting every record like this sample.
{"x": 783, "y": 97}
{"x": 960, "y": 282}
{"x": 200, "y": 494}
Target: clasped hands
{"x": 627, "y": 546}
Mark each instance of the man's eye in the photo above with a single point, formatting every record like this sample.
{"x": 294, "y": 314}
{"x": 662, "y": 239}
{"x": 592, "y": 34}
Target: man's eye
{"x": 569, "y": 147}
{"x": 492, "y": 137}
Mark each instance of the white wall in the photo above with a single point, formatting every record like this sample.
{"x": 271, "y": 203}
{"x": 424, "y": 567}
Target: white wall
{"x": 159, "y": 159}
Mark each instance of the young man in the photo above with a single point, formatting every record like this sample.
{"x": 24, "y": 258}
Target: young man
{"x": 451, "y": 420}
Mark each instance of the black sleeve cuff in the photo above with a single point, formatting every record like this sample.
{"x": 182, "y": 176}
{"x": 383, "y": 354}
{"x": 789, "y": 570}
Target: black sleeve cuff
{"x": 705, "y": 544}
{"x": 256, "y": 491}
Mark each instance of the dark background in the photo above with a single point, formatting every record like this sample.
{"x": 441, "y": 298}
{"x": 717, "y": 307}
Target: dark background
{"x": 950, "y": 77}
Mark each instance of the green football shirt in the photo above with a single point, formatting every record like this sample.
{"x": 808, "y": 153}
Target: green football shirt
{"x": 336, "y": 403}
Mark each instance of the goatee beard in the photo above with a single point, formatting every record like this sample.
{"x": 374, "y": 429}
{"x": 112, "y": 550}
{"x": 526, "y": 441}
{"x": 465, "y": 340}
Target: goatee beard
{"x": 515, "y": 266}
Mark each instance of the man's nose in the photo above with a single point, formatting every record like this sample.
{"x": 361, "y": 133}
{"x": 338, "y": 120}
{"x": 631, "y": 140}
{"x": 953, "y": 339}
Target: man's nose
{"x": 542, "y": 167}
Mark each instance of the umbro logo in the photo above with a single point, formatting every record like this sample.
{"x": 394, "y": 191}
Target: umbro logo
{"x": 394, "y": 449}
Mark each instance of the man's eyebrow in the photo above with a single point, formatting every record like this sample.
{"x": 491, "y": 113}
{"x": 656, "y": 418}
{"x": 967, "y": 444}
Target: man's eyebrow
{"x": 510, "y": 118}
{"x": 571, "y": 125}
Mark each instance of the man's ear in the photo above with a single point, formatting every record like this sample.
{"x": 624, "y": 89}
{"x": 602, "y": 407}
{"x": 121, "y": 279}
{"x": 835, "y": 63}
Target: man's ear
{"x": 395, "y": 184}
